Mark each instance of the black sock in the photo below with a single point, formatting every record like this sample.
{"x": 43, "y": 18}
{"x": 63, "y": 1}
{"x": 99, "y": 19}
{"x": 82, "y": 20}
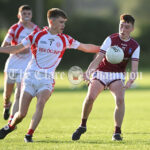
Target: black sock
{"x": 117, "y": 129}
{"x": 83, "y": 123}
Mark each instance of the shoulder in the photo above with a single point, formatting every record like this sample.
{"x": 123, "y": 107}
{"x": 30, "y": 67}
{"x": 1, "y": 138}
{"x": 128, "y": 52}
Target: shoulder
{"x": 14, "y": 26}
{"x": 67, "y": 37}
{"x": 133, "y": 41}
{"x": 35, "y": 27}
{"x": 37, "y": 35}
{"x": 40, "y": 32}
{"x": 64, "y": 35}
{"x": 115, "y": 35}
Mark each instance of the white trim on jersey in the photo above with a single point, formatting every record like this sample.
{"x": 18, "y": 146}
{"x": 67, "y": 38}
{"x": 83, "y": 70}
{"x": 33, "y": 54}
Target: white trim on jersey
{"x": 136, "y": 53}
{"x": 106, "y": 44}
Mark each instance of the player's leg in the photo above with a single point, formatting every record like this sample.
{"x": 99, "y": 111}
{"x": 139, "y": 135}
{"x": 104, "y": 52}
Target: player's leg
{"x": 42, "y": 98}
{"x": 25, "y": 100}
{"x": 8, "y": 89}
{"x": 15, "y": 106}
{"x": 118, "y": 91}
{"x": 94, "y": 89}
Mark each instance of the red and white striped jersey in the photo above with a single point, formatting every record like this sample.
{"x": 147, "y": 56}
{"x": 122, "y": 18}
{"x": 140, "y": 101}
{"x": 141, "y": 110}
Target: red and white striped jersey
{"x": 131, "y": 51}
{"x": 47, "y": 50}
{"x": 18, "y": 32}
{"x": 15, "y": 35}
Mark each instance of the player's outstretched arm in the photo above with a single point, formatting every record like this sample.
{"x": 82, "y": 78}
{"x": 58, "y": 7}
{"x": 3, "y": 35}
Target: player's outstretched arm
{"x": 93, "y": 66}
{"x": 4, "y": 44}
{"x": 89, "y": 48}
{"x": 133, "y": 74}
{"x": 12, "y": 49}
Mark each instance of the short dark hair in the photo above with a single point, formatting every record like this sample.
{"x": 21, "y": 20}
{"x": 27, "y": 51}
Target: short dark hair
{"x": 127, "y": 18}
{"x": 55, "y": 13}
{"x": 24, "y": 7}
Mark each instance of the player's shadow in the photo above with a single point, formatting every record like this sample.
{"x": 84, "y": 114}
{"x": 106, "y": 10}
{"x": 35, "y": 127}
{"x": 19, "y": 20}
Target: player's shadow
{"x": 100, "y": 141}
{"x": 108, "y": 142}
{"x": 69, "y": 142}
{"x": 52, "y": 141}
{"x": 137, "y": 133}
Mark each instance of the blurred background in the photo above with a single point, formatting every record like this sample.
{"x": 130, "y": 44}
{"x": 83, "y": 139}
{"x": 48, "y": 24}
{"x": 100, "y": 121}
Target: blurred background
{"x": 90, "y": 21}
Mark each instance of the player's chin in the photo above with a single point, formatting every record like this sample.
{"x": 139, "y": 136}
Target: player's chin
{"x": 29, "y": 20}
{"x": 61, "y": 30}
{"x": 123, "y": 36}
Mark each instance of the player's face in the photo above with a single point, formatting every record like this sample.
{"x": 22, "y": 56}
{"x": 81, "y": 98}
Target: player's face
{"x": 58, "y": 24}
{"x": 25, "y": 15}
{"x": 125, "y": 29}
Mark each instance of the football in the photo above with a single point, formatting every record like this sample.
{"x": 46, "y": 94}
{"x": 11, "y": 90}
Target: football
{"x": 114, "y": 55}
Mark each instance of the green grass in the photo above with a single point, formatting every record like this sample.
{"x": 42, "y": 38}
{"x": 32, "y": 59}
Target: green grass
{"x": 62, "y": 116}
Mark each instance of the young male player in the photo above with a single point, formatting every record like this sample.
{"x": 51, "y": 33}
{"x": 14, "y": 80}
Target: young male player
{"x": 16, "y": 63}
{"x": 111, "y": 75}
{"x": 48, "y": 47}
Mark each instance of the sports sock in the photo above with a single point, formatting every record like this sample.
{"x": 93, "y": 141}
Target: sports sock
{"x": 11, "y": 127}
{"x": 30, "y": 132}
{"x": 10, "y": 119}
{"x": 83, "y": 123}
{"x": 117, "y": 129}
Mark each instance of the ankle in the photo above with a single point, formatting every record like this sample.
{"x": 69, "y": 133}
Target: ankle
{"x": 7, "y": 104}
{"x": 117, "y": 129}
{"x": 10, "y": 119}
{"x": 11, "y": 127}
{"x": 83, "y": 123}
{"x": 30, "y": 132}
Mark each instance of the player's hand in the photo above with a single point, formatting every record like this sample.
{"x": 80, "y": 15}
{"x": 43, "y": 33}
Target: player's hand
{"x": 128, "y": 84}
{"x": 86, "y": 77}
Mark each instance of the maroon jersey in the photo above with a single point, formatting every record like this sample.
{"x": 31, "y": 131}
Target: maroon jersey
{"x": 131, "y": 51}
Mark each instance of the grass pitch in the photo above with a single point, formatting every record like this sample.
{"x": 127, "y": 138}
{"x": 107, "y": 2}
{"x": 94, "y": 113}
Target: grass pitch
{"x": 62, "y": 117}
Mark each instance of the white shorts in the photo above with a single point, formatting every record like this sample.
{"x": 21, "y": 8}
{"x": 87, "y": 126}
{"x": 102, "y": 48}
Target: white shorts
{"x": 17, "y": 63}
{"x": 34, "y": 82}
{"x": 13, "y": 77}
{"x": 106, "y": 78}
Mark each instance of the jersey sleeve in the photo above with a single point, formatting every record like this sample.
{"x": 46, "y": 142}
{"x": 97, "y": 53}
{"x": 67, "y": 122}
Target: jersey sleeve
{"x": 27, "y": 41}
{"x": 71, "y": 42}
{"x": 106, "y": 44}
{"x": 10, "y": 35}
{"x": 136, "y": 54}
